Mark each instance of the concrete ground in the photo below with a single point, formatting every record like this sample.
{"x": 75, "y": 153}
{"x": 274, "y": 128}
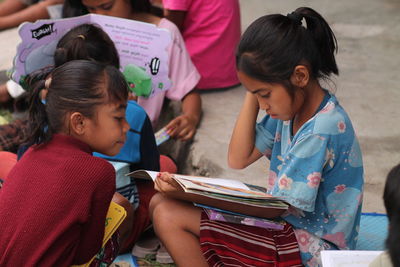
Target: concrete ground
{"x": 368, "y": 33}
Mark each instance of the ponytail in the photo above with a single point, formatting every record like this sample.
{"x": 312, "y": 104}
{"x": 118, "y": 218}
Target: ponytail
{"x": 323, "y": 37}
{"x": 273, "y": 45}
{"x": 38, "y": 121}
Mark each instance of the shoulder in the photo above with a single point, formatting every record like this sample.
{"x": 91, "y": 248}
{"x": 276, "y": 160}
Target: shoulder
{"x": 95, "y": 169}
{"x": 169, "y": 25}
{"x": 332, "y": 120}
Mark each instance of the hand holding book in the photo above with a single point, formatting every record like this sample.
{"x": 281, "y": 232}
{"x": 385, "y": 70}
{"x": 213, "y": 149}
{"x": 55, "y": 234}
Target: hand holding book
{"x": 225, "y": 194}
{"x": 164, "y": 183}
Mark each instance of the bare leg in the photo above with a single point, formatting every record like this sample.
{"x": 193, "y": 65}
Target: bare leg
{"x": 177, "y": 224}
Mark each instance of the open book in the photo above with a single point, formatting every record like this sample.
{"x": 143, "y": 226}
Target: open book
{"x": 225, "y": 194}
{"x": 115, "y": 216}
{"x": 142, "y": 48}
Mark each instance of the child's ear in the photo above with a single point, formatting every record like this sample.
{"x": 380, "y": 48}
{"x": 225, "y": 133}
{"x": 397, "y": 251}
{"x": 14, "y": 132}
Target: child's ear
{"x": 300, "y": 76}
{"x": 77, "y": 123}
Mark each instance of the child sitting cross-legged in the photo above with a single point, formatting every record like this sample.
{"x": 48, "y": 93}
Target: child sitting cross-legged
{"x": 315, "y": 158}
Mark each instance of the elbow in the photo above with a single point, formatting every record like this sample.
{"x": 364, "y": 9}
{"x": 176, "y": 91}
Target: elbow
{"x": 236, "y": 164}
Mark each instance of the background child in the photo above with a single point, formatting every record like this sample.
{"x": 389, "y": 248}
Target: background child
{"x": 392, "y": 204}
{"x": 315, "y": 166}
{"x": 182, "y": 72}
{"x": 84, "y": 112}
{"x": 211, "y": 30}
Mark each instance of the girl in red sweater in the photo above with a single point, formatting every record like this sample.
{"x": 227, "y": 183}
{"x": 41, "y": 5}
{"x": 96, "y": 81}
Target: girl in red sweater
{"x": 55, "y": 200}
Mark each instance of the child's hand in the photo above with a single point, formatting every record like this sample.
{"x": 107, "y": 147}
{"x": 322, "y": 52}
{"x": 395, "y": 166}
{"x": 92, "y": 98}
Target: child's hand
{"x": 165, "y": 184}
{"x": 182, "y": 127}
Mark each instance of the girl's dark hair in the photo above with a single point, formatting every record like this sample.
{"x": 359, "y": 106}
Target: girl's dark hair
{"x": 273, "y": 45}
{"x": 391, "y": 198}
{"x": 88, "y": 42}
{"x": 73, "y": 8}
{"x": 76, "y": 86}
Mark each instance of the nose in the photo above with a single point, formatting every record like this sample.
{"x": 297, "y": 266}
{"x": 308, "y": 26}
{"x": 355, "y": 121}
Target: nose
{"x": 126, "y": 126}
{"x": 99, "y": 12}
{"x": 263, "y": 105}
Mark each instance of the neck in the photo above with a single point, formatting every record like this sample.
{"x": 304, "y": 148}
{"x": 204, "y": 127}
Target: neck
{"x": 313, "y": 96}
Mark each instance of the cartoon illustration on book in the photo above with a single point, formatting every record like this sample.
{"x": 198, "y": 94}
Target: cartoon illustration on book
{"x": 142, "y": 48}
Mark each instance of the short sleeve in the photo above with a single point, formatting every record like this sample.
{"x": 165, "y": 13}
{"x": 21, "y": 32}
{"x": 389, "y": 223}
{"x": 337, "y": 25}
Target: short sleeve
{"x": 300, "y": 172}
{"x": 182, "y": 5}
{"x": 265, "y": 135}
{"x": 182, "y": 72}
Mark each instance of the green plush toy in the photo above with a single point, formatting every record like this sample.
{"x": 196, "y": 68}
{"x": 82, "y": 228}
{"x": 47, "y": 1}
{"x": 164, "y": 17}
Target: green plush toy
{"x": 138, "y": 80}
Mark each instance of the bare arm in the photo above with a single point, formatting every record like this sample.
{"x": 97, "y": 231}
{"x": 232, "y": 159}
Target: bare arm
{"x": 242, "y": 151}
{"x": 31, "y": 14}
{"x": 176, "y": 16}
{"x": 8, "y": 7}
{"x": 184, "y": 126}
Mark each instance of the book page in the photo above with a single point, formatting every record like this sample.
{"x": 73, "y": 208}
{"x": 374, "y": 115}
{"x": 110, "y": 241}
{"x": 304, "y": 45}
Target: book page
{"x": 142, "y": 44}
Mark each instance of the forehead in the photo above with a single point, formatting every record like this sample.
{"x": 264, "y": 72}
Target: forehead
{"x": 251, "y": 83}
{"x": 112, "y": 107}
{"x": 96, "y": 3}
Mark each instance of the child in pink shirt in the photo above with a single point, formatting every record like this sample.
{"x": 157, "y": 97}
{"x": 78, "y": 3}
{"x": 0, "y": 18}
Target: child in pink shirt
{"x": 211, "y": 30}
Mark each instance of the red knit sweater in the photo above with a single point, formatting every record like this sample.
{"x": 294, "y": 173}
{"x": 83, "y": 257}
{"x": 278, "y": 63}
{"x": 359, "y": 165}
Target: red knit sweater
{"x": 53, "y": 205}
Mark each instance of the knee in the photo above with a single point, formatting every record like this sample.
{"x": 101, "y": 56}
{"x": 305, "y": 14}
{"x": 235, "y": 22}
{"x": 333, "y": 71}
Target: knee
{"x": 157, "y": 208}
{"x": 163, "y": 212}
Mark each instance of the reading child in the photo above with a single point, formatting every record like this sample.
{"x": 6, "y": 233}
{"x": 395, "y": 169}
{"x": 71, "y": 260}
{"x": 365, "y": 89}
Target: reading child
{"x": 182, "y": 72}
{"x": 55, "y": 199}
{"x": 88, "y": 41}
{"x": 315, "y": 158}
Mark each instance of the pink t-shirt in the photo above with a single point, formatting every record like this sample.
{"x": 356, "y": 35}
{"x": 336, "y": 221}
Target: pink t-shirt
{"x": 182, "y": 73}
{"x": 211, "y": 31}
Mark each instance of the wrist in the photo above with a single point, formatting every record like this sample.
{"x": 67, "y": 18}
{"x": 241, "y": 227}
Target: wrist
{"x": 193, "y": 118}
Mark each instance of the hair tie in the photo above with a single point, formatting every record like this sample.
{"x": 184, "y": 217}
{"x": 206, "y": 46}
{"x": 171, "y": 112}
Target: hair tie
{"x": 47, "y": 83}
{"x": 81, "y": 36}
{"x": 295, "y": 17}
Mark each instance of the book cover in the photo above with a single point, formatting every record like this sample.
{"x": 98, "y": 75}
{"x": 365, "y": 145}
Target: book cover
{"x": 115, "y": 216}
{"x": 142, "y": 47}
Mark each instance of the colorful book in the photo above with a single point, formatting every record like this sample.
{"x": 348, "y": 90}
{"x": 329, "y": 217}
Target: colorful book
{"x": 142, "y": 48}
{"x": 216, "y": 214}
{"x": 115, "y": 216}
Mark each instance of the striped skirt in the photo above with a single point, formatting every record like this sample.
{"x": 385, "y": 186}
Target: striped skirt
{"x": 228, "y": 244}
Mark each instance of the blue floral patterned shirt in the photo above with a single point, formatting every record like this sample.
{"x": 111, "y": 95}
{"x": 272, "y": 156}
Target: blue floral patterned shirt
{"x": 318, "y": 171}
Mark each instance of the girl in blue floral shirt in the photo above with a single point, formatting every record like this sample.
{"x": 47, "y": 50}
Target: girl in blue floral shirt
{"x": 315, "y": 158}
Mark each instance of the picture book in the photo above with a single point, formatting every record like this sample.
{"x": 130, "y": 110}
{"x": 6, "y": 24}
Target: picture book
{"x": 142, "y": 49}
{"x": 225, "y": 194}
{"x": 115, "y": 216}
